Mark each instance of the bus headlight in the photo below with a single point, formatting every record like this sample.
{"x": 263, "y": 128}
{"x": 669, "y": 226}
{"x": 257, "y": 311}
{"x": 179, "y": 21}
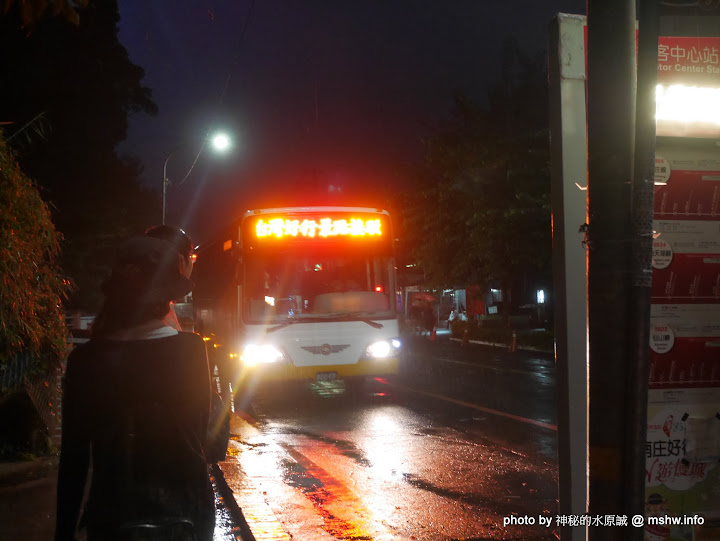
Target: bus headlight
{"x": 382, "y": 349}
{"x": 254, "y": 354}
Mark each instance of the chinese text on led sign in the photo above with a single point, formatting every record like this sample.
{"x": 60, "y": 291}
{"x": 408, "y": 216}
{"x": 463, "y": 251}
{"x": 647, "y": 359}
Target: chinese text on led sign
{"x": 325, "y": 227}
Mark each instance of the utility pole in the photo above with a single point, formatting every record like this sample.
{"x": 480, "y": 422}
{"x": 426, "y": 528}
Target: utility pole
{"x": 611, "y": 98}
{"x": 643, "y": 193}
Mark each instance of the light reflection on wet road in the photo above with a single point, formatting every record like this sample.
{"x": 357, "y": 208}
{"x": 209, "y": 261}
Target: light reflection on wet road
{"x": 411, "y": 460}
{"x": 225, "y": 526}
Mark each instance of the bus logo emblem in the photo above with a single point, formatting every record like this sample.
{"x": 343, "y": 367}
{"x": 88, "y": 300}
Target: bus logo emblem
{"x": 325, "y": 349}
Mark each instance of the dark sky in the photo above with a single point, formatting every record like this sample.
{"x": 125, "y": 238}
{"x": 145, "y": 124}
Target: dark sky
{"x": 340, "y": 90}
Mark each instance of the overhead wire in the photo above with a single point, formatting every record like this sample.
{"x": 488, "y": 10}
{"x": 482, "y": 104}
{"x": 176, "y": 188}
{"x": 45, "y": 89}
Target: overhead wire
{"x": 241, "y": 37}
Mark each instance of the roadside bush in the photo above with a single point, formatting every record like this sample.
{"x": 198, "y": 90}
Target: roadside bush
{"x": 457, "y": 328}
{"x": 542, "y": 339}
{"x": 493, "y": 333}
{"x": 494, "y": 320}
{"x": 33, "y": 288}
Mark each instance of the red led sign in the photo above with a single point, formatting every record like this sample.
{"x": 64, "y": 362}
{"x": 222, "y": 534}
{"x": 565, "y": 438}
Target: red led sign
{"x": 325, "y": 227}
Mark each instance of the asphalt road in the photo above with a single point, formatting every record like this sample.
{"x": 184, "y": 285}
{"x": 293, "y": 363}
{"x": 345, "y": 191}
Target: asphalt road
{"x": 462, "y": 441}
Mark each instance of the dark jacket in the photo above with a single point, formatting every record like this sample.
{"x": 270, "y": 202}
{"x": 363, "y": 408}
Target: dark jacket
{"x": 139, "y": 409}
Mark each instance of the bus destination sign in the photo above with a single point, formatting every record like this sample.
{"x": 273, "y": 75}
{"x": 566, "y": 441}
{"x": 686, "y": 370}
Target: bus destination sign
{"x": 322, "y": 227}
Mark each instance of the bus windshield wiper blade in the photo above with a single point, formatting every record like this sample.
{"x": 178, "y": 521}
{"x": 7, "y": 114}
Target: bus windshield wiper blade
{"x": 293, "y": 320}
{"x": 373, "y": 324}
{"x": 354, "y": 317}
{"x": 328, "y": 317}
{"x": 284, "y": 324}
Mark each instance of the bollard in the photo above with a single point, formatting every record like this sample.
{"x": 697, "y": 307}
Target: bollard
{"x": 465, "y": 338}
{"x": 513, "y": 342}
{"x": 433, "y": 334}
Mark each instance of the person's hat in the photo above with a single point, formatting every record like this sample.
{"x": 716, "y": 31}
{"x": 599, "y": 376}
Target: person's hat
{"x": 148, "y": 269}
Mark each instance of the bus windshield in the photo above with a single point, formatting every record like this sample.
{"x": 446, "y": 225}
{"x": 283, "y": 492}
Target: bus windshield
{"x": 282, "y": 286}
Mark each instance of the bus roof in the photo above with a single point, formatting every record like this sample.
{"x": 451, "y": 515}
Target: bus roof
{"x": 310, "y": 210}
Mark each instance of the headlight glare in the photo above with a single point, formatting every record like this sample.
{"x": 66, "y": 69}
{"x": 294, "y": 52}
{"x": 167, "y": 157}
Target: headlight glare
{"x": 380, "y": 350}
{"x": 254, "y": 354}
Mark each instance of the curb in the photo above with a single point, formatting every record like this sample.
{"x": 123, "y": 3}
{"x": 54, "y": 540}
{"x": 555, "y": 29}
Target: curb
{"x": 229, "y": 500}
{"x": 506, "y": 346}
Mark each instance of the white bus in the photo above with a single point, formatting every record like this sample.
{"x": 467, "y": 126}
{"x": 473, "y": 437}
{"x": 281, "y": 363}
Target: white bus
{"x": 304, "y": 294}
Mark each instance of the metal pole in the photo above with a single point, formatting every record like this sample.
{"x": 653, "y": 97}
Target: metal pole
{"x": 643, "y": 192}
{"x": 611, "y": 134}
{"x": 166, "y": 181}
{"x": 164, "y": 192}
{"x": 164, "y": 186}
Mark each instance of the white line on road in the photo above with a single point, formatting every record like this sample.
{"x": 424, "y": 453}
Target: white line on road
{"x": 479, "y": 408}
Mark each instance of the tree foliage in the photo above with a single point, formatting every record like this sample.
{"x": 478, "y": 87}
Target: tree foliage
{"x": 33, "y": 10}
{"x": 79, "y": 82}
{"x": 480, "y": 208}
{"x": 32, "y": 288}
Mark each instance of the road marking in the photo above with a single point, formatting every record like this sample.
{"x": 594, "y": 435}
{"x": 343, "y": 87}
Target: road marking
{"x": 496, "y": 368}
{"x": 476, "y": 407}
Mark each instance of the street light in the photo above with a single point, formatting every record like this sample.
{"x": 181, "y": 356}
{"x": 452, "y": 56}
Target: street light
{"x": 220, "y": 142}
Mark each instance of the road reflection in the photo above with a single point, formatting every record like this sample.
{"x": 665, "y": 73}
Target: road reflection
{"x": 385, "y": 467}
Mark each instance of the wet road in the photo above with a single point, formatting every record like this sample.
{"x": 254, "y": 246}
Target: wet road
{"x": 461, "y": 440}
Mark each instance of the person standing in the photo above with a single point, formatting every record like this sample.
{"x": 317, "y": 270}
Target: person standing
{"x": 428, "y": 318}
{"x": 220, "y": 418}
{"x": 182, "y": 243}
{"x": 136, "y": 404}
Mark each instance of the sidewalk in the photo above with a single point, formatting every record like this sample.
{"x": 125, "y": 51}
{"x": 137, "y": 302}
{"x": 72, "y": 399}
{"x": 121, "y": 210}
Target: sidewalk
{"x": 27, "y": 499}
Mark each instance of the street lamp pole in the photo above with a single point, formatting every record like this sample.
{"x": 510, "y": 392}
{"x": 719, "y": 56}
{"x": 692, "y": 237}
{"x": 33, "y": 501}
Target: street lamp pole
{"x": 220, "y": 142}
{"x": 164, "y": 186}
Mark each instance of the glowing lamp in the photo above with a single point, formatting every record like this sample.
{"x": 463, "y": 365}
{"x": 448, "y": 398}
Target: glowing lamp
{"x": 221, "y": 142}
{"x": 687, "y": 110}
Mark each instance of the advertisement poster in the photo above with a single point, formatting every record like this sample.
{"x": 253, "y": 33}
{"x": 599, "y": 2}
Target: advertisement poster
{"x": 689, "y": 195}
{"x": 682, "y": 456}
{"x": 686, "y": 262}
{"x": 683, "y": 436}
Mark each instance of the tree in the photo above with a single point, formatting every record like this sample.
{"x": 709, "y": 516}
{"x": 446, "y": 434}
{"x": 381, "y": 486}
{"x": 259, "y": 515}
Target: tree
{"x": 79, "y": 80}
{"x": 481, "y": 208}
{"x": 32, "y": 288}
{"x": 33, "y": 10}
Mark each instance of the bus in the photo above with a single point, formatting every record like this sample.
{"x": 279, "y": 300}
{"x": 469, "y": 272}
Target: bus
{"x": 301, "y": 294}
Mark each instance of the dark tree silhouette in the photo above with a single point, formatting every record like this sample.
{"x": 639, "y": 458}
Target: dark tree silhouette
{"x": 480, "y": 210}
{"x": 76, "y": 85}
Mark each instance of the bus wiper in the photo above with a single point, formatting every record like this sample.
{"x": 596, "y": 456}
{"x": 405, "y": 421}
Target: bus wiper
{"x": 353, "y": 317}
{"x": 346, "y": 317}
{"x": 284, "y": 324}
{"x": 373, "y": 324}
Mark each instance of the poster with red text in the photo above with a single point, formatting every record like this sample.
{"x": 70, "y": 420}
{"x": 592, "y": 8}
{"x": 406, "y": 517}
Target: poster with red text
{"x": 683, "y": 433}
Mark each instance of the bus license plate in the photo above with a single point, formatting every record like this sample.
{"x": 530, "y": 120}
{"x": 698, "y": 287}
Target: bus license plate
{"x": 326, "y": 376}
